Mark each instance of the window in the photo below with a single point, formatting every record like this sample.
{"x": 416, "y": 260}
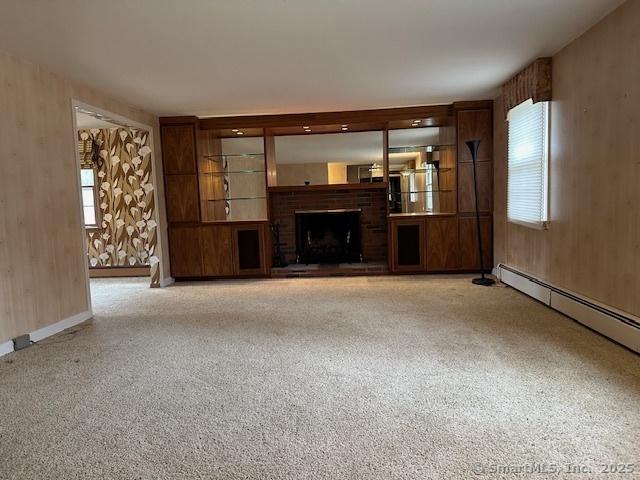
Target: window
{"x": 88, "y": 182}
{"x": 527, "y": 176}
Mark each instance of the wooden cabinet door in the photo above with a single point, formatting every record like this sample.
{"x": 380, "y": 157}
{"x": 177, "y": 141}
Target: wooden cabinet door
{"x": 217, "y": 250}
{"x": 250, "y": 256}
{"x": 469, "y": 256}
{"x": 475, "y": 125}
{"x": 407, "y": 245}
{"x": 178, "y": 149}
{"x": 184, "y": 252}
{"x": 182, "y": 198}
{"x": 466, "y": 195}
{"x": 442, "y": 244}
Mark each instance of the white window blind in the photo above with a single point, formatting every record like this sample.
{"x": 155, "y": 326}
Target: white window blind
{"x": 527, "y": 184}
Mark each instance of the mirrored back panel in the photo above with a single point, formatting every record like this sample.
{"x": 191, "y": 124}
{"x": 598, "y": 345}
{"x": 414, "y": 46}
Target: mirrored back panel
{"x": 329, "y": 158}
{"x": 422, "y": 170}
{"x": 232, "y": 178}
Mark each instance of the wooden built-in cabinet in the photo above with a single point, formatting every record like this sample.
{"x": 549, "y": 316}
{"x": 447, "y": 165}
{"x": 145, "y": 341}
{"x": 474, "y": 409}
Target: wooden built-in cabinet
{"x": 213, "y": 233}
{"x": 198, "y": 249}
{"x": 475, "y": 125}
{"x": 439, "y": 243}
{"x": 216, "y": 242}
{"x": 407, "y": 244}
{"x": 442, "y": 245}
{"x": 185, "y": 252}
{"x": 211, "y": 251}
{"x": 468, "y": 237}
{"x": 182, "y": 198}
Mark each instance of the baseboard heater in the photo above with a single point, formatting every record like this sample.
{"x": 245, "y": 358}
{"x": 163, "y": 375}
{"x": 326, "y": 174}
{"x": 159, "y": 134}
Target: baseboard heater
{"x": 618, "y": 326}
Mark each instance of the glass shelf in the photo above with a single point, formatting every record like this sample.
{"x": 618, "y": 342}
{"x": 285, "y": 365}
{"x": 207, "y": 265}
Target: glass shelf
{"x": 420, "y": 191}
{"x": 420, "y": 148}
{"x": 414, "y": 170}
{"x": 234, "y": 198}
{"x": 227, "y": 172}
{"x": 218, "y": 157}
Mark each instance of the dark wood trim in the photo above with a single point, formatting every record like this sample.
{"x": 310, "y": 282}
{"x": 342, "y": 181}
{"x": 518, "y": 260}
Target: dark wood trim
{"x": 473, "y": 105}
{"x": 337, "y": 186}
{"x": 324, "y": 118}
{"x": 183, "y": 120}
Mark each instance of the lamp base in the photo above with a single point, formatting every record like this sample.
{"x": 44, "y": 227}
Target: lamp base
{"x": 485, "y": 282}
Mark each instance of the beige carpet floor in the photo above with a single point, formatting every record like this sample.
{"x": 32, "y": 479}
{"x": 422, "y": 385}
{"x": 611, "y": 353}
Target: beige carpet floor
{"x": 335, "y": 378}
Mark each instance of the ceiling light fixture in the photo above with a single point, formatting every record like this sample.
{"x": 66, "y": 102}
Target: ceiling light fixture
{"x": 239, "y": 133}
{"x": 235, "y": 130}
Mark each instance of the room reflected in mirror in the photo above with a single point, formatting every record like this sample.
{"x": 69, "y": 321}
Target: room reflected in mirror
{"x": 422, "y": 174}
{"x": 329, "y": 158}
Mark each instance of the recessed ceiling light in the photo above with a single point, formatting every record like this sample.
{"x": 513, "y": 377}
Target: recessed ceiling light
{"x": 235, "y": 130}
{"x": 345, "y": 128}
{"x": 239, "y": 133}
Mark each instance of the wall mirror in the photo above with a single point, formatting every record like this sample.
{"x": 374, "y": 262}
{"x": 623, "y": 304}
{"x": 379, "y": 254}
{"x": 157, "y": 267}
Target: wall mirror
{"x": 329, "y": 158}
{"x": 422, "y": 171}
{"x": 232, "y": 179}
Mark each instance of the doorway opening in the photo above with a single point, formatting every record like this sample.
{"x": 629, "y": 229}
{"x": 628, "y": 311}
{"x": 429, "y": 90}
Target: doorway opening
{"x": 118, "y": 197}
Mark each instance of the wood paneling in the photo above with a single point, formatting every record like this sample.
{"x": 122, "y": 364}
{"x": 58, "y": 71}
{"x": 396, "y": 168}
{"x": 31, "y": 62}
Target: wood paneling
{"x": 179, "y": 150}
{"x": 327, "y": 118}
{"x": 185, "y": 251}
{"x": 593, "y": 242}
{"x": 468, "y": 238}
{"x": 42, "y": 259}
{"x": 217, "y": 250}
{"x": 466, "y": 197}
{"x": 182, "y": 198}
{"x": 442, "y": 244}
{"x": 472, "y": 125}
{"x": 407, "y": 246}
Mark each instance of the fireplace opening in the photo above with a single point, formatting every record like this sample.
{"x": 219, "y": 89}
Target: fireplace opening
{"x": 328, "y": 236}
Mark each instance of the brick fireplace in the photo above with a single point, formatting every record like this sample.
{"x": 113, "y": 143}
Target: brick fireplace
{"x": 368, "y": 200}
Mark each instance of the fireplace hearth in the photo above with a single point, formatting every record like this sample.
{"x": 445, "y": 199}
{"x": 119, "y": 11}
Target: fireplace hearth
{"x": 328, "y": 236}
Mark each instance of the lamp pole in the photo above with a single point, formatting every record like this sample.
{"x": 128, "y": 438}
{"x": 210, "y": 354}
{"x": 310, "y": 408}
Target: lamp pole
{"x": 484, "y": 281}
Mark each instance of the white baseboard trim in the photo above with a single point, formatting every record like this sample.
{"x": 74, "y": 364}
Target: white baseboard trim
{"x": 619, "y": 326}
{"x": 57, "y": 327}
{"x": 6, "y": 347}
{"x": 165, "y": 282}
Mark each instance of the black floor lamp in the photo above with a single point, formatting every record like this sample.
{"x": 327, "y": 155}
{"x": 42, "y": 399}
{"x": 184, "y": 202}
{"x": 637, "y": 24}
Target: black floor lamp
{"x": 487, "y": 282}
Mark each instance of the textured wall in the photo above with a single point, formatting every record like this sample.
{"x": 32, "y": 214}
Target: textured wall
{"x": 41, "y": 261}
{"x": 592, "y": 246}
{"x": 127, "y": 233}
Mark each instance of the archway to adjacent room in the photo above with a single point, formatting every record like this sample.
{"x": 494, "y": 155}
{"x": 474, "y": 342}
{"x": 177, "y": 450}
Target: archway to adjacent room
{"x": 117, "y": 182}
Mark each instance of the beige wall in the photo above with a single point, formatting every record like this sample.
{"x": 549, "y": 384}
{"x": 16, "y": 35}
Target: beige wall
{"x": 592, "y": 246}
{"x": 42, "y": 269}
{"x": 336, "y": 173}
{"x": 297, "y": 173}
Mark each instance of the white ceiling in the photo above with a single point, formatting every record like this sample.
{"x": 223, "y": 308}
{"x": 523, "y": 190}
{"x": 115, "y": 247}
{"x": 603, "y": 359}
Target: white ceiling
{"x": 209, "y": 57}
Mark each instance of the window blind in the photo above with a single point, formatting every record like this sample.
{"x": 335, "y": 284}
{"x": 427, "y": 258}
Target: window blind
{"x": 527, "y": 167}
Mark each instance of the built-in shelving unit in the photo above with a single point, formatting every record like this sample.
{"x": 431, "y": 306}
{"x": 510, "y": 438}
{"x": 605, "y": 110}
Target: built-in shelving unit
{"x": 228, "y": 213}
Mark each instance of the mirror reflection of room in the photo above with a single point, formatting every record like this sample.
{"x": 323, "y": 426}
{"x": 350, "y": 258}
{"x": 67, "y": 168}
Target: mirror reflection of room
{"x": 232, "y": 179}
{"x": 421, "y": 171}
{"x": 329, "y": 158}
